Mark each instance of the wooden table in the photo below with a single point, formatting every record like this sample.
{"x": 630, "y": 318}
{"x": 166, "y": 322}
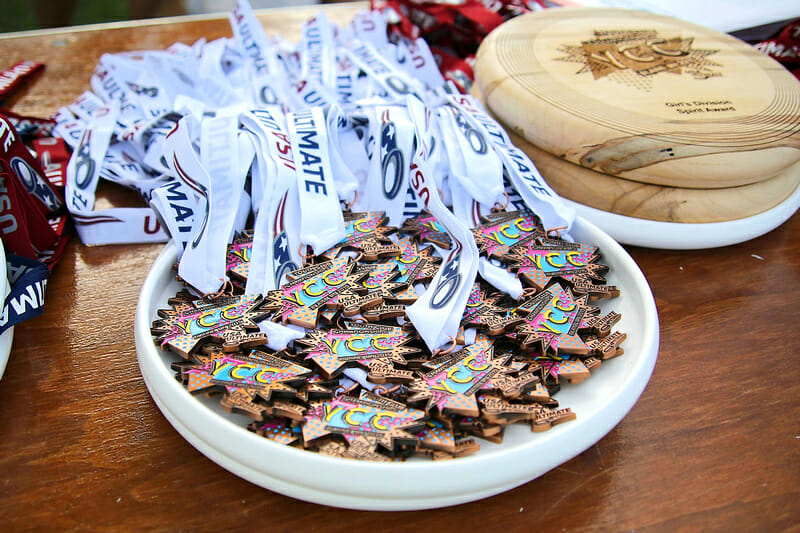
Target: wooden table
{"x": 713, "y": 443}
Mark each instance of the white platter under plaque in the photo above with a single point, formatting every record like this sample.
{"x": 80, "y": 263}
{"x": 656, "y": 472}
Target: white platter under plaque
{"x": 600, "y": 403}
{"x": 688, "y": 236}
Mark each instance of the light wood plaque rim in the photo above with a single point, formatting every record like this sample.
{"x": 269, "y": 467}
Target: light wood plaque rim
{"x": 637, "y": 146}
{"x": 655, "y": 202}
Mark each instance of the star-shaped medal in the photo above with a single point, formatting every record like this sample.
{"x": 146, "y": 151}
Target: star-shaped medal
{"x": 498, "y": 410}
{"x": 564, "y": 366}
{"x": 553, "y": 320}
{"x": 438, "y": 435}
{"x": 606, "y": 347}
{"x": 310, "y": 290}
{"x": 228, "y": 318}
{"x": 500, "y": 231}
{"x": 426, "y": 228}
{"x": 551, "y": 417}
{"x": 334, "y": 349}
{"x": 538, "y": 265}
{"x": 367, "y": 233}
{"x": 246, "y": 378}
{"x": 483, "y": 311}
{"x": 415, "y": 265}
{"x": 278, "y": 430}
{"x": 259, "y": 371}
{"x": 238, "y": 257}
{"x": 376, "y": 283}
{"x": 451, "y": 385}
{"x": 381, "y": 420}
{"x": 380, "y": 277}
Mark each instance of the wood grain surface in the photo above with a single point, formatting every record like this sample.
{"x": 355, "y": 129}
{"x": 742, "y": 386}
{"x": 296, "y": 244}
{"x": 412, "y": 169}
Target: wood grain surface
{"x": 712, "y": 445}
{"x": 656, "y": 202}
{"x": 653, "y": 202}
{"x": 641, "y": 96}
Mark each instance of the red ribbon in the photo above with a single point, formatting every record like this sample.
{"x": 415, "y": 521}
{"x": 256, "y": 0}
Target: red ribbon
{"x": 29, "y": 127}
{"x": 785, "y": 47}
{"x": 12, "y": 78}
{"x": 33, "y": 219}
{"x": 452, "y": 30}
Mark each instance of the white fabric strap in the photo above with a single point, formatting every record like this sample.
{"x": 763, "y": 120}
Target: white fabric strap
{"x": 429, "y": 139}
{"x": 104, "y": 226}
{"x": 145, "y": 137}
{"x": 322, "y": 223}
{"x": 524, "y": 176}
{"x": 370, "y": 27}
{"x": 469, "y": 211}
{"x": 416, "y": 60}
{"x": 213, "y": 87}
{"x": 121, "y": 168}
{"x": 437, "y": 314}
{"x": 276, "y": 236}
{"x": 85, "y": 106}
{"x": 177, "y": 206}
{"x": 249, "y": 34}
{"x": 466, "y": 208}
{"x": 106, "y": 84}
{"x": 141, "y": 88}
{"x": 317, "y": 51}
{"x": 346, "y": 83}
{"x": 68, "y": 127}
{"x": 308, "y": 93}
{"x": 387, "y": 181}
{"x": 473, "y": 161}
{"x": 263, "y": 170}
{"x": 394, "y": 84}
{"x": 265, "y": 71}
{"x": 344, "y": 172}
{"x": 204, "y": 261}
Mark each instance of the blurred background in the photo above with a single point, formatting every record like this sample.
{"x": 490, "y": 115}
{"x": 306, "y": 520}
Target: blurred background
{"x": 21, "y": 15}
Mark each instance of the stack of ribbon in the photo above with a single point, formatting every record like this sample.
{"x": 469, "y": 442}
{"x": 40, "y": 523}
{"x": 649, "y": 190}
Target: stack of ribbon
{"x": 33, "y": 221}
{"x": 253, "y": 128}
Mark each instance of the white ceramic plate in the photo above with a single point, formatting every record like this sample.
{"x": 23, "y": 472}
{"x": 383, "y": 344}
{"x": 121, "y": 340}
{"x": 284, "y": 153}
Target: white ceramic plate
{"x": 680, "y": 236}
{"x": 7, "y": 338}
{"x": 600, "y": 403}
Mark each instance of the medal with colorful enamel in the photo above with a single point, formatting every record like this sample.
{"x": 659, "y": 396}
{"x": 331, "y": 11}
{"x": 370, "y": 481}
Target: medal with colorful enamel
{"x": 482, "y": 311}
{"x": 238, "y": 258}
{"x": 451, "y": 385}
{"x": 552, "y": 322}
{"x": 500, "y": 231}
{"x": 278, "y": 430}
{"x": 334, "y": 349}
{"x": 367, "y": 233}
{"x": 259, "y": 371}
{"x": 310, "y": 290}
{"x": 379, "y": 420}
{"x": 427, "y": 229}
{"x": 415, "y": 265}
{"x": 244, "y": 379}
{"x": 230, "y": 319}
{"x": 537, "y": 264}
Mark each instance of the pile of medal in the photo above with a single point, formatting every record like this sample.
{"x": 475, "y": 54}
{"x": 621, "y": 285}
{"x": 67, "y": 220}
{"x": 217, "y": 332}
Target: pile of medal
{"x": 354, "y": 235}
{"x": 357, "y": 381}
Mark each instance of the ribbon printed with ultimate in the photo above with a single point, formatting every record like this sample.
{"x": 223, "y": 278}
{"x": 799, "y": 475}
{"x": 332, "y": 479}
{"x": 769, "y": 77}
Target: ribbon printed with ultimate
{"x": 349, "y": 114}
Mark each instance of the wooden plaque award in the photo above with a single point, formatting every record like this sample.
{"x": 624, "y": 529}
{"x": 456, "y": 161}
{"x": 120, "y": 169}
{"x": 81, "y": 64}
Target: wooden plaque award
{"x": 643, "y": 97}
